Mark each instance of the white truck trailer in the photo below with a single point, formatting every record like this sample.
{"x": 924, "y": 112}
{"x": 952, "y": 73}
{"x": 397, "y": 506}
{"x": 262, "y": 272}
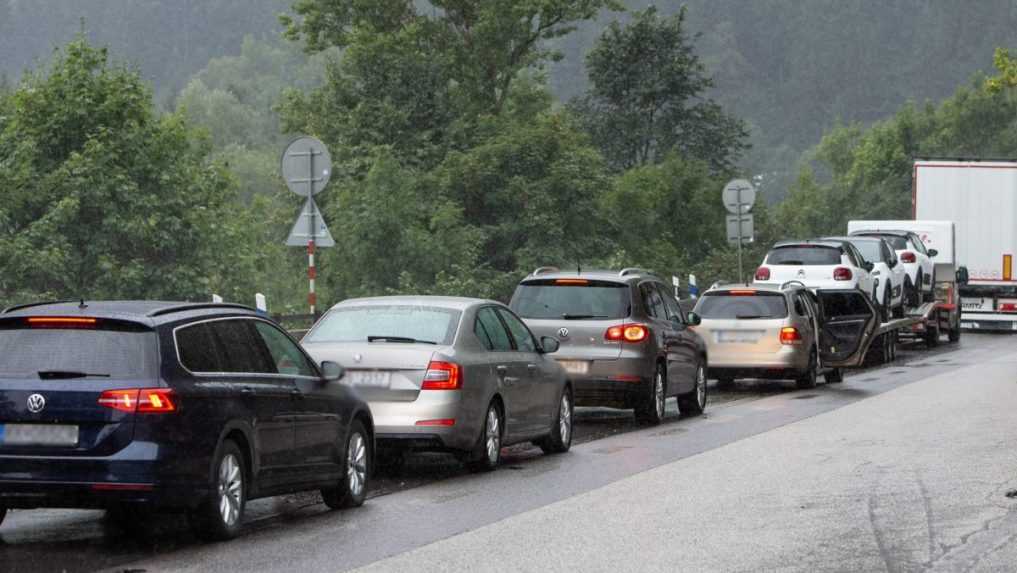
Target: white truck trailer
{"x": 980, "y": 197}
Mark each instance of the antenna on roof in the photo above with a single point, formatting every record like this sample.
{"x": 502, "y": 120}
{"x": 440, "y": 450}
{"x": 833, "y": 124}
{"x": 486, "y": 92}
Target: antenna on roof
{"x": 82, "y": 305}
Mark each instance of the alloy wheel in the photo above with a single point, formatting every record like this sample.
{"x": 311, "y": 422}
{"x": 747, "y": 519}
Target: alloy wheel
{"x": 701, "y": 387}
{"x": 493, "y": 435}
{"x": 565, "y": 419}
{"x": 356, "y": 464}
{"x": 231, "y": 489}
{"x": 658, "y": 394}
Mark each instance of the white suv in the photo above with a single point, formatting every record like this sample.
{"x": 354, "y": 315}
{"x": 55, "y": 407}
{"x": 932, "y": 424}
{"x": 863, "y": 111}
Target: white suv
{"x": 916, "y": 260}
{"x": 816, "y": 264}
{"x": 888, "y": 274}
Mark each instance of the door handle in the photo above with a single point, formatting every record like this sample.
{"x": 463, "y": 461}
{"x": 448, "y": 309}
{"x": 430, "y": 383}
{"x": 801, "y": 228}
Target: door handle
{"x": 532, "y": 368}
{"x": 502, "y": 370}
{"x": 246, "y": 391}
{"x": 296, "y": 393}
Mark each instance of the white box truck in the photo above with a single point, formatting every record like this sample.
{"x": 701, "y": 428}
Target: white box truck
{"x": 980, "y": 197}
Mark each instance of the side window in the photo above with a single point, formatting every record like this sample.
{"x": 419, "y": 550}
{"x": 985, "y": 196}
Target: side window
{"x": 242, "y": 349}
{"x": 671, "y": 305}
{"x": 481, "y": 333}
{"x": 287, "y": 357}
{"x": 919, "y": 246}
{"x": 521, "y": 334}
{"x": 489, "y": 322}
{"x": 799, "y": 305}
{"x": 196, "y": 348}
{"x": 652, "y": 301}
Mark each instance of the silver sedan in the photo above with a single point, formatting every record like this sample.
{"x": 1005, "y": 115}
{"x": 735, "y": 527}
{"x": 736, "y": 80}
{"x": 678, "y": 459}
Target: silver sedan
{"x": 448, "y": 374}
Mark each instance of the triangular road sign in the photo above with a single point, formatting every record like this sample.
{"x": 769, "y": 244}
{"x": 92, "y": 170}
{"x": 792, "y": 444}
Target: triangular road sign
{"x": 302, "y": 232}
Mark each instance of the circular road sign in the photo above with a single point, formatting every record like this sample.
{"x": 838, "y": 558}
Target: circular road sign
{"x": 306, "y": 166}
{"x": 731, "y": 196}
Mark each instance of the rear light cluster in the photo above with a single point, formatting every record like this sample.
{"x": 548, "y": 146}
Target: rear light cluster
{"x": 842, "y": 274}
{"x": 790, "y": 335}
{"x": 763, "y": 274}
{"x": 140, "y": 401}
{"x": 1007, "y": 307}
{"x": 442, "y": 376}
{"x": 907, "y": 257}
{"x": 627, "y": 333}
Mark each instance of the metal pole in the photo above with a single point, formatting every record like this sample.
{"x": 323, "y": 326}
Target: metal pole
{"x": 312, "y": 272}
{"x": 741, "y": 274}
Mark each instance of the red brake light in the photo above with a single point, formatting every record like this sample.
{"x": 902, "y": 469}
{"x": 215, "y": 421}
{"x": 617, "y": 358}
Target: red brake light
{"x": 627, "y": 333}
{"x": 438, "y": 422}
{"x": 842, "y": 274}
{"x": 742, "y": 292}
{"x": 763, "y": 274}
{"x": 907, "y": 257}
{"x": 790, "y": 335}
{"x": 60, "y": 322}
{"x": 143, "y": 401}
{"x": 571, "y": 282}
{"x": 1007, "y": 307}
{"x": 442, "y": 376}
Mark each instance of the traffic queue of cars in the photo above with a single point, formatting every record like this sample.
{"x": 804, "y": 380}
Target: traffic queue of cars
{"x": 135, "y": 406}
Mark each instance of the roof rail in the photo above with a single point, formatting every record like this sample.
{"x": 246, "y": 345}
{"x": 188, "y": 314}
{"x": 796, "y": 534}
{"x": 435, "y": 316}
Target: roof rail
{"x": 197, "y": 306}
{"x": 31, "y": 304}
{"x": 541, "y": 270}
{"x": 632, "y": 271}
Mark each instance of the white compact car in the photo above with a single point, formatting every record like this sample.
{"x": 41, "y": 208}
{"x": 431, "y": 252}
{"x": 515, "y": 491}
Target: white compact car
{"x": 888, "y": 274}
{"x": 917, "y": 262}
{"x": 816, "y": 264}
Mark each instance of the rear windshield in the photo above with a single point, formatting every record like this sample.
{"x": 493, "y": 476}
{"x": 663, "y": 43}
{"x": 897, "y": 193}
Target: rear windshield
{"x": 896, "y": 243}
{"x": 25, "y": 352}
{"x": 730, "y": 305}
{"x": 358, "y": 323}
{"x": 590, "y": 300}
{"x": 804, "y": 256}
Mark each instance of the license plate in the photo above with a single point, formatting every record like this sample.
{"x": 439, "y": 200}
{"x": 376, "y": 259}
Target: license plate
{"x": 575, "y": 366}
{"x": 38, "y": 435}
{"x": 371, "y": 378}
{"x": 738, "y": 336}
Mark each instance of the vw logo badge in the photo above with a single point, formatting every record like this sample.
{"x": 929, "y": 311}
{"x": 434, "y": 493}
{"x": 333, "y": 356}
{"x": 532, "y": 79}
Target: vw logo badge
{"x": 563, "y": 332}
{"x": 36, "y": 403}
{"x": 357, "y": 357}
{"x": 801, "y": 273}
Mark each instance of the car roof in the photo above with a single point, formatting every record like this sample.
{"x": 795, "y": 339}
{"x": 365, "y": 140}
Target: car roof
{"x": 148, "y": 312}
{"x": 781, "y": 289}
{"x": 834, "y": 244}
{"x": 620, "y": 276}
{"x": 854, "y": 238}
{"x": 450, "y": 302}
{"x": 894, "y": 232}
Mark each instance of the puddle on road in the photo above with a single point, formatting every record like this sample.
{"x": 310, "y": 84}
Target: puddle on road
{"x": 806, "y": 397}
{"x": 669, "y": 432}
{"x": 611, "y": 450}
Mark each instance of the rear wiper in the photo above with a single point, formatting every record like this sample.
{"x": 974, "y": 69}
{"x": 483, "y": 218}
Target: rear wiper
{"x": 61, "y": 374}
{"x": 567, "y": 316}
{"x": 753, "y": 316}
{"x": 799, "y": 263}
{"x": 398, "y": 339}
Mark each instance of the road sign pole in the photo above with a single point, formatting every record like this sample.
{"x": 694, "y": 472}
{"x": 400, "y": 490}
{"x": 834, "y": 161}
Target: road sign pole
{"x": 312, "y": 272}
{"x": 741, "y": 274}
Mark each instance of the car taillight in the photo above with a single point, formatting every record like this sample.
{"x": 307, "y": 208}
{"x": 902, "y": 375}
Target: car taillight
{"x": 790, "y": 335}
{"x": 1007, "y": 307}
{"x": 60, "y": 322}
{"x": 842, "y": 274}
{"x": 627, "y": 333}
{"x": 907, "y": 257}
{"x": 143, "y": 401}
{"x": 763, "y": 274}
{"x": 442, "y": 376}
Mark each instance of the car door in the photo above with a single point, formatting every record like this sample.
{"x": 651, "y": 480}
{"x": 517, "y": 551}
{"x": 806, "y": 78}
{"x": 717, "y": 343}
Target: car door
{"x": 848, "y": 322}
{"x": 267, "y": 396}
{"x": 897, "y": 272}
{"x": 858, "y": 262}
{"x": 927, "y": 264}
{"x": 509, "y": 367}
{"x": 682, "y": 348}
{"x": 314, "y": 407}
{"x": 806, "y": 320}
{"x": 539, "y": 384}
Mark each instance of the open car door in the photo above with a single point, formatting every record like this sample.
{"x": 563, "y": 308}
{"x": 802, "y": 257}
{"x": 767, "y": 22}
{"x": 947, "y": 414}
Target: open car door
{"x": 848, "y": 322}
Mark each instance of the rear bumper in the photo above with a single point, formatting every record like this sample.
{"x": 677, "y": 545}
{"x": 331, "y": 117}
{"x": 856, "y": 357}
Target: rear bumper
{"x": 787, "y": 357}
{"x": 404, "y": 424}
{"x": 613, "y": 383}
{"x": 991, "y": 322}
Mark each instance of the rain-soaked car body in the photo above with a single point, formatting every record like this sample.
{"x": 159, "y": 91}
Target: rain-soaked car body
{"x": 448, "y": 374}
{"x": 625, "y": 341}
{"x": 132, "y": 406}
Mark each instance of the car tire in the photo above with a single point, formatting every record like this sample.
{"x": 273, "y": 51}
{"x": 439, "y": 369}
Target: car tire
{"x": 356, "y": 471}
{"x": 487, "y": 452}
{"x": 3, "y": 514}
{"x": 931, "y": 295}
{"x": 220, "y": 516}
{"x": 931, "y": 337}
{"x": 560, "y": 439}
{"x": 694, "y": 403}
{"x": 807, "y": 379}
{"x": 887, "y": 305}
{"x": 834, "y": 376}
{"x": 913, "y": 293}
{"x": 955, "y": 334}
{"x": 651, "y": 411}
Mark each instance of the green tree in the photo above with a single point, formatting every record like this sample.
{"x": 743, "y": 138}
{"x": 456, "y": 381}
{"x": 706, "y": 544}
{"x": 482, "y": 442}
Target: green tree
{"x": 102, "y": 197}
{"x": 648, "y": 97}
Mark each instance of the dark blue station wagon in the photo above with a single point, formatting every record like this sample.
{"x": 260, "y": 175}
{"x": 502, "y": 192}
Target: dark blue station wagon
{"x": 155, "y": 405}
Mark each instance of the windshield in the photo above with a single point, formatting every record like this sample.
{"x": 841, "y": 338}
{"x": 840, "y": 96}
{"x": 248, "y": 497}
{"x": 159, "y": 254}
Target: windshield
{"x": 804, "y": 255}
{"x": 25, "y": 352}
{"x": 590, "y": 300}
{"x": 733, "y": 305}
{"x": 389, "y": 323}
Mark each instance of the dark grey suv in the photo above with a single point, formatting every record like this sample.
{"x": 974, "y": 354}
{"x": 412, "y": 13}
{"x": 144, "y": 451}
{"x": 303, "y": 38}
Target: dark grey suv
{"x": 625, "y": 342}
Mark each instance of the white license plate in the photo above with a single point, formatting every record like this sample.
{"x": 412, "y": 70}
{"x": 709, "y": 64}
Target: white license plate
{"x": 371, "y": 378}
{"x": 575, "y": 366}
{"x": 738, "y": 336}
{"x": 38, "y": 435}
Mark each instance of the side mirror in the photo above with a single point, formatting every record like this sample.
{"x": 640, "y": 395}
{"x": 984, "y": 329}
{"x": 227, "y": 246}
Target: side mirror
{"x": 869, "y": 266}
{"x": 694, "y": 319}
{"x": 962, "y": 275}
{"x": 933, "y": 253}
{"x": 549, "y": 344}
{"x": 332, "y": 371}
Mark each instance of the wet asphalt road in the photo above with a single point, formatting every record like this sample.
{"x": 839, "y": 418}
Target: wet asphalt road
{"x": 432, "y": 497}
